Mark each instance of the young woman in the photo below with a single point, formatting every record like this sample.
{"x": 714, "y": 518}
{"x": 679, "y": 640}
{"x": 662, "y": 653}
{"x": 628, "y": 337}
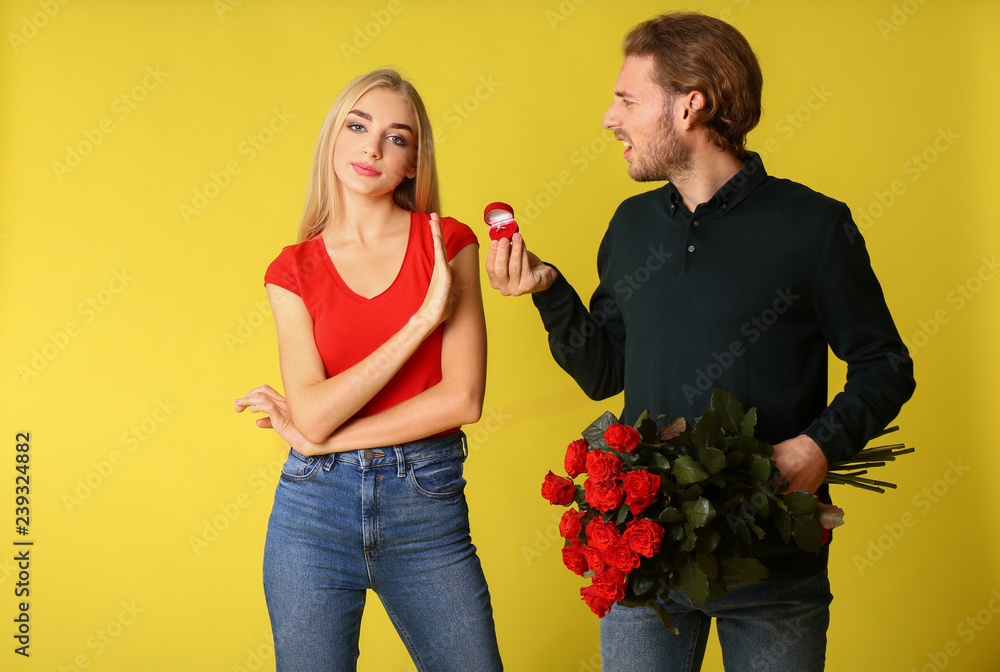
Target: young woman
{"x": 382, "y": 347}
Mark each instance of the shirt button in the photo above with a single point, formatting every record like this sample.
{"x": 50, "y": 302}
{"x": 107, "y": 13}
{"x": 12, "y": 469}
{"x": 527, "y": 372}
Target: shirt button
{"x": 695, "y": 223}
{"x": 368, "y": 455}
{"x": 690, "y": 248}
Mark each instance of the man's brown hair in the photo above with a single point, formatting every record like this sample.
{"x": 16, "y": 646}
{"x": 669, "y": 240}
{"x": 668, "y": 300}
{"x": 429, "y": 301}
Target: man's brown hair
{"x": 694, "y": 52}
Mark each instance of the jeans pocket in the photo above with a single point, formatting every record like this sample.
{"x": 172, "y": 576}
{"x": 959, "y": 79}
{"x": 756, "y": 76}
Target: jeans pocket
{"x": 438, "y": 478}
{"x": 298, "y": 467}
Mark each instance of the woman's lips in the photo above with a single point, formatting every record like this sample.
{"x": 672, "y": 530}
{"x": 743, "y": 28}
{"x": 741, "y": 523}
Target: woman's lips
{"x": 362, "y": 168}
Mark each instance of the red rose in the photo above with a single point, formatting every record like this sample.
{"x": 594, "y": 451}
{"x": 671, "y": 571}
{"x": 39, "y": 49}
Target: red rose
{"x": 576, "y": 458}
{"x": 641, "y": 489}
{"x": 558, "y": 490}
{"x": 574, "y": 559}
{"x": 621, "y": 437}
{"x": 597, "y": 602}
{"x": 603, "y": 466}
{"x": 610, "y": 583}
{"x": 643, "y": 536}
{"x": 594, "y": 557}
{"x": 603, "y": 495}
{"x": 569, "y": 524}
{"x": 600, "y": 535}
{"x": 621, "y": 557}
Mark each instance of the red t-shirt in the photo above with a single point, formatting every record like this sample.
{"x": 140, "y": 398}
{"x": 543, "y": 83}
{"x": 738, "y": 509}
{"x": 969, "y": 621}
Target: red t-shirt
{"x": 348, "y": 327}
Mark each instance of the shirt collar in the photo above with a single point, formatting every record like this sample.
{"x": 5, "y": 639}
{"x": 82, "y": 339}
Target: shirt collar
{"x": 732, "y": 192}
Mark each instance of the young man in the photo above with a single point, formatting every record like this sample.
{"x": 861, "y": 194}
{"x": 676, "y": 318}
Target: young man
{"x": 726, "y": 277}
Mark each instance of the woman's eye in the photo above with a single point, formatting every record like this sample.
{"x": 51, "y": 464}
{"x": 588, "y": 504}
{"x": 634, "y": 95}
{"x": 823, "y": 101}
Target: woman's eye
{"x": 395, "y": 139}
{"x": 357, "y": 128}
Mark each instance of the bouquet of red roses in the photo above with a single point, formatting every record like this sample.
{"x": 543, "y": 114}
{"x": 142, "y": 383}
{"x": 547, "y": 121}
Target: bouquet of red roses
{"x": 666, "y": 507}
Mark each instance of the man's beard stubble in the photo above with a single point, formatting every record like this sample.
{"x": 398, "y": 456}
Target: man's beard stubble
{"x": 666, "y": 158}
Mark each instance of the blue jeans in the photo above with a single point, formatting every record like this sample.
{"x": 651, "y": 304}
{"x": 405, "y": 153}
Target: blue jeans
{"x": 778, "y": 625}
{"x": 393, "y": 520}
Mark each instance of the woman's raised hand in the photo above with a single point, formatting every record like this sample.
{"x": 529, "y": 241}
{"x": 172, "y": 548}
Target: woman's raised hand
{"x": 438, "y": 301}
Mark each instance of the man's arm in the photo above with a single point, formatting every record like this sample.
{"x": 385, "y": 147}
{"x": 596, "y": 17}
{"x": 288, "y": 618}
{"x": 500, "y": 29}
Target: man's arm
{"x": 857, "y": 324}
{"x": 588, "y": 345}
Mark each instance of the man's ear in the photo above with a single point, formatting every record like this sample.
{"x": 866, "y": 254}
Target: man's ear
{"x": 690, "y": 104}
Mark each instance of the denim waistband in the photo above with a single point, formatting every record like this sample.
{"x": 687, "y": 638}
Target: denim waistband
{"x": 401, "y": 454}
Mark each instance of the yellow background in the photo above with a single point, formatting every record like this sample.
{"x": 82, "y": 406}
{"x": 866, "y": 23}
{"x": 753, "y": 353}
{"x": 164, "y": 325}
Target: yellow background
{"x": 149, "y": 319}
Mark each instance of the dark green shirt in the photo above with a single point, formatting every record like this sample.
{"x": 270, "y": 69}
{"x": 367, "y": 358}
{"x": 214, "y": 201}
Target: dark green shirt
{"x": 746, "y": 293}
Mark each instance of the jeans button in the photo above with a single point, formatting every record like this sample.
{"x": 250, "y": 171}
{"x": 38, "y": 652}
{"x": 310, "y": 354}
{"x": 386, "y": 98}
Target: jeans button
{"x": 368, "y": 455}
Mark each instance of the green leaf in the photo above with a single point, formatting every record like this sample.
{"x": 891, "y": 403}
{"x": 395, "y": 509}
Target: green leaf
{"x": 682, "y": 442}
{"x": 749, "y": 422}
{"x": 595, "y": 432}
{"x": 760, "y": 500}
{"x": 708, "y": 541}
{"x": 744, "y": 569}
{"x": 716, "y": 587}
{"x": 693, "y": 580}
{"x": 640, "y": 583}
{"x": 718, "y": 480}
{"x": 690, "y": 493}
{"x": 712, "y": 459}
{"x": 708, "y": 563}
{"x": 749, "y": 446}
{"x": 687, "y": 471}
{"x": 752, "y": 446}
{"x": 672, "y": 515}
{"x": 628, "y": 459}
{"x": 658, "y": 460}
{"x": 807, "y": 534}
{"x": 760, "y": 468}
{"x": 706, "y": 429}
{"x": 622, "y": 513}
{"x": 675, "y": 532}
{"x": 783, "y": 523}
{"x": 729, "y": 408}
{"x": 664, "y": 617}
{"x": 646, "y": 428}
{"x": 800, "y": 503}
{"x": 699, "y": 512}
{"x": 690, "y": 539}
{"x": 672, "y": 429}
{"x": 742, "y": 530}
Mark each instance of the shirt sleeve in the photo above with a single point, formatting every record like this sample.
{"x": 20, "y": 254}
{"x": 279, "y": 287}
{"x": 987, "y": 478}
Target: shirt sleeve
{"x": 588, "y": 344}
{"x": 283, "y": 271}
{"x": 856, "y": 323}
{"x": 456, "y": 236}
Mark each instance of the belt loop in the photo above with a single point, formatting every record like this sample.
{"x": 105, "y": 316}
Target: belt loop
{"x": 465, "y": 443}
{"x": 400, "y": 461}
{"x": 329, "y": 461}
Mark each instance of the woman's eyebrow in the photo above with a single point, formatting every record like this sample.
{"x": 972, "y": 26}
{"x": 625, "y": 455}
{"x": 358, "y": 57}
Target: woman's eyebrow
{"x": 365, "y": 115}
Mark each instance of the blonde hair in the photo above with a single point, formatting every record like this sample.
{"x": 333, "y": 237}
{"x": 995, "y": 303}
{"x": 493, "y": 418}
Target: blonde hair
{"x": 419, "y": 193}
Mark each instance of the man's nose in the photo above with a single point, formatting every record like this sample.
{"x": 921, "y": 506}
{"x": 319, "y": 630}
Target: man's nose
{"x": 610, "y": 120}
